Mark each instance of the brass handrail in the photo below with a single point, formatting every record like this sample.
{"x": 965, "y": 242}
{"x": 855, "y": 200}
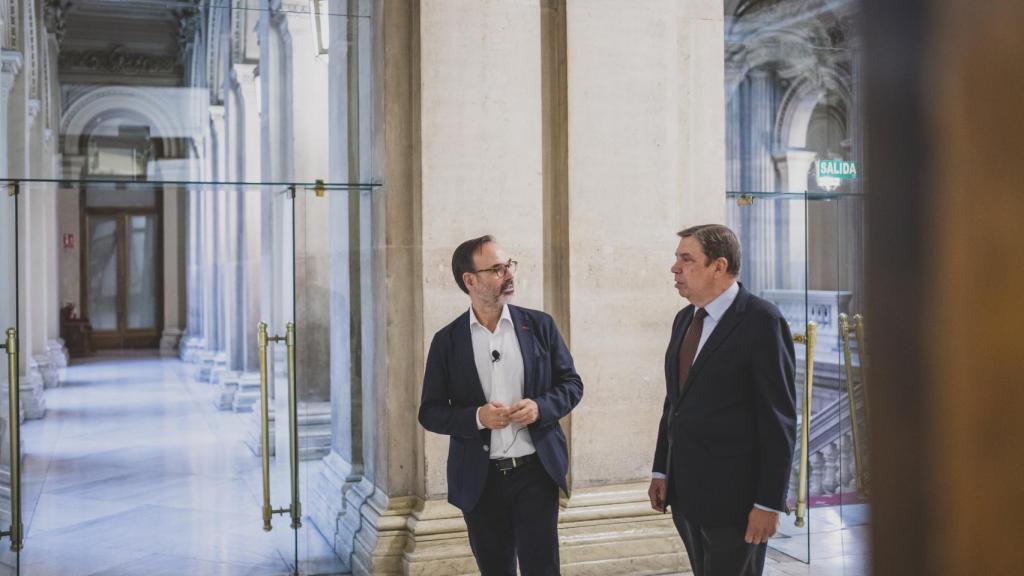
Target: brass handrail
{"x": 862, "y": 350}
{"x": 293, "y": 418}
{"x": 844, "y": 334}
{"x": 14, "y": 415}
{"x": 801, "y": 500}
{"x": 262, "y": 341}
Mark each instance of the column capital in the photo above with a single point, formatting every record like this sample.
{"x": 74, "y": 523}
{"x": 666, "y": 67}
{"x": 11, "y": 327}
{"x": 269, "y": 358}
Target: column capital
{"x": 10, "y": 65}
{"x": 246, "y": 72}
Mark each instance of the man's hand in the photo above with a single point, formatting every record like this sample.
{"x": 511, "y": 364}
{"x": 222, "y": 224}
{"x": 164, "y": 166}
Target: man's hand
{"x": 761, "y": 525}
{"x": 494, "y": 415}
{"x": 658, "y": 492}
{"x": 524, "y": 412}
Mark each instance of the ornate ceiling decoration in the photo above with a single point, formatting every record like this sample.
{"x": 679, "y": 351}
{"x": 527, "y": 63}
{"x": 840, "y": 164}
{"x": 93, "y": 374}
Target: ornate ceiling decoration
{"x": 119, "y": 61}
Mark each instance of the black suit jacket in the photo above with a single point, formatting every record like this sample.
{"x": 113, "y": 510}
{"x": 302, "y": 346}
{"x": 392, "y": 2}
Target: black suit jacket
{"x": 727, "y": 443}
{"x": 452, "y": 393}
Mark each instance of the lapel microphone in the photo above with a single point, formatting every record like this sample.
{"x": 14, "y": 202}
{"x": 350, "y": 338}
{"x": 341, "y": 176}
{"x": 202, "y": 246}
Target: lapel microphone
{"x": 495, "y": 356}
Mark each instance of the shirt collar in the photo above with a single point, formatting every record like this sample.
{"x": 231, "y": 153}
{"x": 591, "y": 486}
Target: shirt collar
{"x": 717, "y": 307}
{"x": 506, "y": 316}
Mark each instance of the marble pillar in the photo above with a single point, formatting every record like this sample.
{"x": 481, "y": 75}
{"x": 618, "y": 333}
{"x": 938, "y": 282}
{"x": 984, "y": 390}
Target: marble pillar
{"x": 349, "y": 122}
{"x": 10, "y": 64}
{"x": 22, "y": 113}
{"x": 646, "y": 159}
{"x": 173, "y": 268}
{"x": 761, "y": 230}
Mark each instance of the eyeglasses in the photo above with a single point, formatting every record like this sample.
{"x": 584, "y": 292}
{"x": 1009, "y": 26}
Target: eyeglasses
{"x": 501, "y": 270}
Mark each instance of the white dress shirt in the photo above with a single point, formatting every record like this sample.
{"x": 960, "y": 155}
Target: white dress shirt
{"x": 715, "y": 309}
{"x": 502, "y": 380}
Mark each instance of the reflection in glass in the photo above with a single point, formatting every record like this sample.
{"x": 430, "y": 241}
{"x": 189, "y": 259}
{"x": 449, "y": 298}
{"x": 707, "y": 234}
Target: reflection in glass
{"x": 141, "y": 272}
{"x": 103, "y": 272}
{"x": 99, "y": 197}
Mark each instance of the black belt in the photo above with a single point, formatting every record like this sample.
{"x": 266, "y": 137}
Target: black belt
{"x": 506, "y": 465}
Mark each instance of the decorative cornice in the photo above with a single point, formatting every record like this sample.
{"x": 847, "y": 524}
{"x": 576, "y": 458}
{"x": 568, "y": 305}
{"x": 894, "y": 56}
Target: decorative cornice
{"x": 120, "y": 61}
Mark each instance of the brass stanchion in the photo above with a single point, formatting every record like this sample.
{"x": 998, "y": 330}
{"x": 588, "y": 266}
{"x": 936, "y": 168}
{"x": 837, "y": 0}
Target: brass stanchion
{"x": 844, "y": 334}
{"x": 801, "y": 500}
{"x": 16, "y": 531}
{"x": 263, "y": 340}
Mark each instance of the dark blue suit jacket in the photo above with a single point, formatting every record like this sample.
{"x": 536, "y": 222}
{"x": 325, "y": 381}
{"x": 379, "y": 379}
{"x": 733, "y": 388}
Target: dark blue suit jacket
{"x": 452, "y": 393}
{"x": 727, "y": 443}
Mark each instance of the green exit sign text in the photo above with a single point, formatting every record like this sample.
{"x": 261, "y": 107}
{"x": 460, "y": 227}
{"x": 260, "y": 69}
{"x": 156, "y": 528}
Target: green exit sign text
{"x": 837, "y": 169}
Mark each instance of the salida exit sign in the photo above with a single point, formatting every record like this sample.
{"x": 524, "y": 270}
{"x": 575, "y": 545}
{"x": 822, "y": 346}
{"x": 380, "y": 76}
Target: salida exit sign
{"x": 837, "y": 169}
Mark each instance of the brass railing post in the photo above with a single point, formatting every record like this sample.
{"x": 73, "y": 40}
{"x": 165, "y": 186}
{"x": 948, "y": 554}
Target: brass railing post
{"x": 844, "y": 334}
{"x": 293, "y": 436}
{"x": 862, "y": 353}
{"x": 261, "y": 344}
{"x": 14, "y": 416}
{"x": 805, "y": 430}
{"x": 295, "y": 509}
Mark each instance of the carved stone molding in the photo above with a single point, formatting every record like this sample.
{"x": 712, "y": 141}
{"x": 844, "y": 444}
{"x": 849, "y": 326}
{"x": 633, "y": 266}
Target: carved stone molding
{"x": 188, "y": 24}
{"x": 120, "y": 61}
{"x": 12, "y": 24}
{"x": 55, "y": 17}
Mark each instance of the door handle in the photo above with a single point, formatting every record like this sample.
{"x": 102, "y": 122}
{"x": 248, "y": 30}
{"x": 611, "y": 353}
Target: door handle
{"x": 801, "y": 500}
{"x": 295, "y": 509}
{"x": 16, "y": 531}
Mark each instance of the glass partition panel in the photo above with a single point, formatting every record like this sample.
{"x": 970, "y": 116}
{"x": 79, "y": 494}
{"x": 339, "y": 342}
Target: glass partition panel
{"x": 772, "y": 232}
{"x": 177, "y": 136}
{"x": 9, "y": 560}
{"x": 855, "y": 471}
{"x": 333, "y": 303}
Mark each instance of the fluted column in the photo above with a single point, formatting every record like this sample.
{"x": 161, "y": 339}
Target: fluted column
{"x": 793, "y": 260}
{"x": 10, "y": 64}
{"x": 761, "y": 228}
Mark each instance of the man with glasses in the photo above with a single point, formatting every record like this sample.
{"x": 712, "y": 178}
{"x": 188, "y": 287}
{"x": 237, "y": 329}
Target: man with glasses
{"x": 497, "y": 381}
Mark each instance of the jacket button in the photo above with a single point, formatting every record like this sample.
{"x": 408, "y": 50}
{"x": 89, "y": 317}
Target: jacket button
{"x": 676, "y": 413}
{"x": 487, "y": 448}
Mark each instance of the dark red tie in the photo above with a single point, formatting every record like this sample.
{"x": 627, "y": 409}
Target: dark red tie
{"x": 688, "y": 349}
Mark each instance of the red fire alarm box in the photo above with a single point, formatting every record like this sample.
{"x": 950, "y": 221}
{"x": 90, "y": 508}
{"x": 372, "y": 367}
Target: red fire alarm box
{"x": 69, "y": 241}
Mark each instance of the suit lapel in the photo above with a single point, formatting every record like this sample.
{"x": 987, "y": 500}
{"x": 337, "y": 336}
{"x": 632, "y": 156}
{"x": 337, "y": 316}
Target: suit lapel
{"x": 730, "y": 320}
{"x": 672, "y": 358}
{"x": 465, "y": 361}
{"x": 527, "y": 347}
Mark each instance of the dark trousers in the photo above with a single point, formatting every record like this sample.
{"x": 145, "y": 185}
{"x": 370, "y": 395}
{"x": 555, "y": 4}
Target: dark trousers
{"x": 517, "y": 516}
{"x": 719, "y": 550}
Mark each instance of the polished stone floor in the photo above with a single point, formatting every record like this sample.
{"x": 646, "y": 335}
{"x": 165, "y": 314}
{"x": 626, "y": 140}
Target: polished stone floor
{"x": 834, "y": 542}
{"x": 134, "y": 471}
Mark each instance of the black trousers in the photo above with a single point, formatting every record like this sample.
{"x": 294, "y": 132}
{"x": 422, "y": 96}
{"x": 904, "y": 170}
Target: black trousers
{"x": 517, "y": 516}
{"x": 719, "y": 550}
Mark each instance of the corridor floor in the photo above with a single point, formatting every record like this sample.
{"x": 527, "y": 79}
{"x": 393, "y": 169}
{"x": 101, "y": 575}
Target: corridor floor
{"x": 134, "y": 471}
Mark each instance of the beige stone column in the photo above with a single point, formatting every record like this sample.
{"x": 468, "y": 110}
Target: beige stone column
{"x": 481, "y": 166}
{"x": 10, "y": 64}
{"x": 173, "y": 268}
{"x": 646, "y": 132}
{"x": 583, "y": 135}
